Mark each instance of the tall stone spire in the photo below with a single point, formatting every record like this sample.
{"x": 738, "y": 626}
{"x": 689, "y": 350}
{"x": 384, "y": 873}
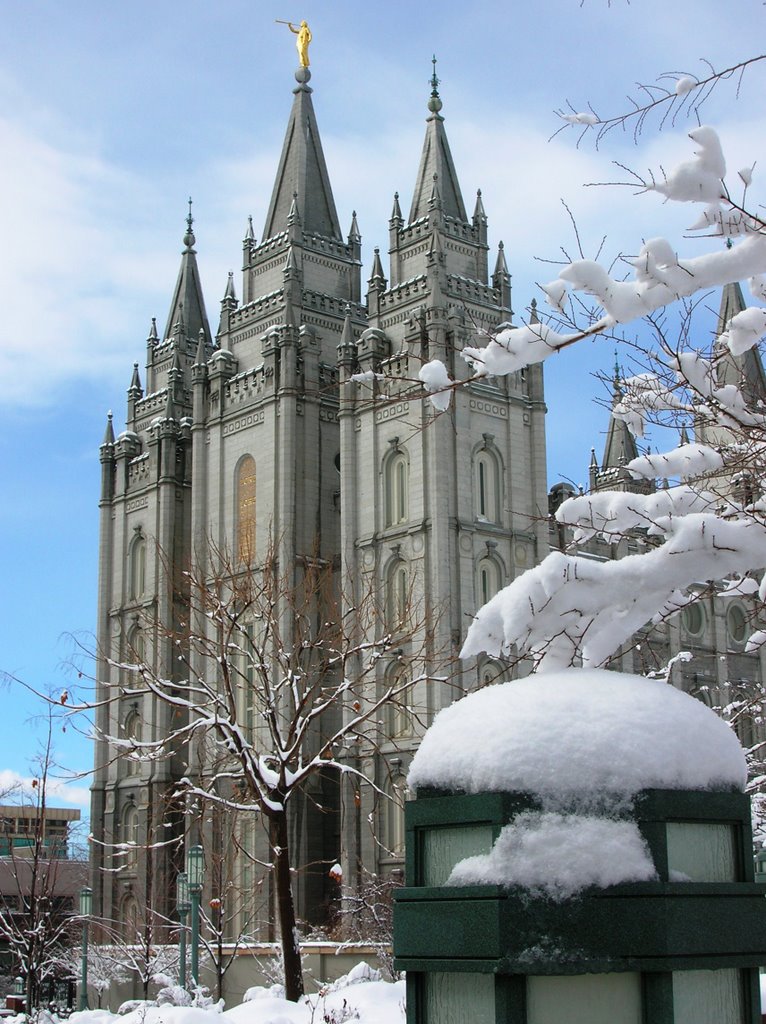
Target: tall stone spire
{"x": 188, "y": 305}
{"x": 436, "y": 164}
{"x": 745, "y": 370}
{"x": 620, "y": 445}
{"x": 302, "y": 171}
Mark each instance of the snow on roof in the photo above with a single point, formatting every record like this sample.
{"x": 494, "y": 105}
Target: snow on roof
{"x": 578, "y": 733}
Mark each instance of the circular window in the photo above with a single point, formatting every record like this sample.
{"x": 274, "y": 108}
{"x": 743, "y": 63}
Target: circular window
{"x": 693, "y": 619}
{"x": 736, "y": 623}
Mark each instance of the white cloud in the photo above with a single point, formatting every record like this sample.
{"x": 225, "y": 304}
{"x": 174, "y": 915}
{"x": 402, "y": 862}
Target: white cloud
{"x": 77, "y": 256}
{"x": 16, "y": 788}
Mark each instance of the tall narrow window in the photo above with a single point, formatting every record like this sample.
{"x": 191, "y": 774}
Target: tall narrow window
{"x": 138, "y": 567}
{"x": 129, "y": 918}
{"x": 487, "y": 487}
{"x": 402, "y": 707}
{"x": 397, "y": 595}
{"x": 133, "y": 732}
{"x": 137, "y": 646}
{"x": 397, "y": 487}
{"x": 130, "y": 837}
{"x": 245, "y": 510}
{"x": 397, "y": 793}
{"x": 243, "y": 667}
{"x": 488, "y": 580}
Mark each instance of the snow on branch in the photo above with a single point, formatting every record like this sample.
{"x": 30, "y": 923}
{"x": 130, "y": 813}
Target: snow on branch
{"x": 572, "y": 607}
{"x": 674, "y": 95}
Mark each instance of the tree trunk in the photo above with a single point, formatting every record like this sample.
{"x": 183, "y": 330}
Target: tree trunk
{"x": 291, "y": 954}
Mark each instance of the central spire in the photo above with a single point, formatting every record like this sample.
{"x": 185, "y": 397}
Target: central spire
{"x": 302, "y": 171}
{"x": 188, "y": 305}
{"x": 436, "y": 165}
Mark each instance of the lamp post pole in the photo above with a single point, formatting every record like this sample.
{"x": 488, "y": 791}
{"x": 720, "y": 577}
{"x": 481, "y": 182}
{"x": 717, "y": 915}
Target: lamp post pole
{"x": 182, "y": 903}
{"x": 195, "y": 870}
{"x": 86, "y": 906}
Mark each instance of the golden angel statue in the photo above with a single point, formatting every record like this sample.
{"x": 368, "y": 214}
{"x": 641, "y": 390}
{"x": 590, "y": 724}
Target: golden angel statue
{"x": 302, "y": 42}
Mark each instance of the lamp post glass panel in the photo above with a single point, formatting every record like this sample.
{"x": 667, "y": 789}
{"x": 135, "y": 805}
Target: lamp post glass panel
{"x": 195, "y": 871}
{"x": 86, "y": 906}
{"x": 183, "y": 906}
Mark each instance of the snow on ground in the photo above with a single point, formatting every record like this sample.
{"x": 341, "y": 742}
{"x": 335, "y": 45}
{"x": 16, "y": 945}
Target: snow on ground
{"x": 352, "y": 998}
{"x": 559, "y": 855}
{"x": 576, "y": 734}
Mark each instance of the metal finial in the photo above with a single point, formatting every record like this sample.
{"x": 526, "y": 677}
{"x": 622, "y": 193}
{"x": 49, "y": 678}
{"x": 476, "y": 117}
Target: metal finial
{"x": 189, "y": 238}
{"x": 434, "y": 103}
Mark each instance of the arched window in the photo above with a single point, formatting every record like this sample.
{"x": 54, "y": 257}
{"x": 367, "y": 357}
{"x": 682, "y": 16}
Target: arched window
{"x": 395, "y": 834}
{"x": 133, "y": 729}
{"x": 487, "y": 580}
{"x": 130, "y": 837}
{"x": 397, "y": 595}
{"x": 245, "y": 509}
{"x": 746, "y": 729}
{"x": 401, "y": 722}
{"x": 138, "y": 566}
{"x": 137, "y": 646}
{"x": 487, "y": 486}
{"x": 491, "y": 672}
{"x": 396, "y": 484}
{"x": 129, "y": 917}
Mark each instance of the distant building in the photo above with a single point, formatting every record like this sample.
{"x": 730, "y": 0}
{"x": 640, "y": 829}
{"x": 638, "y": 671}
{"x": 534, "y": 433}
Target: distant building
{"x": 40, "y": 884}
{"x": 20, "y": 828}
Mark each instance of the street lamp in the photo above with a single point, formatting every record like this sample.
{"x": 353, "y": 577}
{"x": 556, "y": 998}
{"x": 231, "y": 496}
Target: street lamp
{"x": 183, "y": 906}
{"x": 195, "y": 871}
{"x": 86, "y": 906}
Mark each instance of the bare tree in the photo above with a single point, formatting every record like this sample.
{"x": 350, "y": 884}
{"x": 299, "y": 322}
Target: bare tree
{"x": 278, "y": 682}
{"x": 38, "y": 884}
{"x": 106, "y": 967}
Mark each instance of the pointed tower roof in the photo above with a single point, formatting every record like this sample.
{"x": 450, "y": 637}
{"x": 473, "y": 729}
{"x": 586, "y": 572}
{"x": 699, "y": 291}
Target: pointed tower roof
{"x": 396, "y": 212}
{"x": 479, "y": 213}
{"x": 501, "y": 264}
{"x": 745, "y": 370}
{"x": 732, "y": 302}
{"x": 302, "y": 170}
{"x": 188, "y": 305}
{"x": 436, "y": 161}
{"x": 109, "y": 432}
{"x": 377, "y": 267}
{"x": 620, "y": 445}
{"x": 230, "y": 294}
{"x": 135, "y": 381}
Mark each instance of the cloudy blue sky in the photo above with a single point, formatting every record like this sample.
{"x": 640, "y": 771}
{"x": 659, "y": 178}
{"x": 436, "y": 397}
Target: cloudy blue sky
{"x": 111, "y": 115}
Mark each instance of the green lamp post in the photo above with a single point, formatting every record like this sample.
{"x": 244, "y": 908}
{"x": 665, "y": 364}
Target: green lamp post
{"x": 195, "y": 872}
{"x": 183, "y": 906}
{"x": 86, "y": 906}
